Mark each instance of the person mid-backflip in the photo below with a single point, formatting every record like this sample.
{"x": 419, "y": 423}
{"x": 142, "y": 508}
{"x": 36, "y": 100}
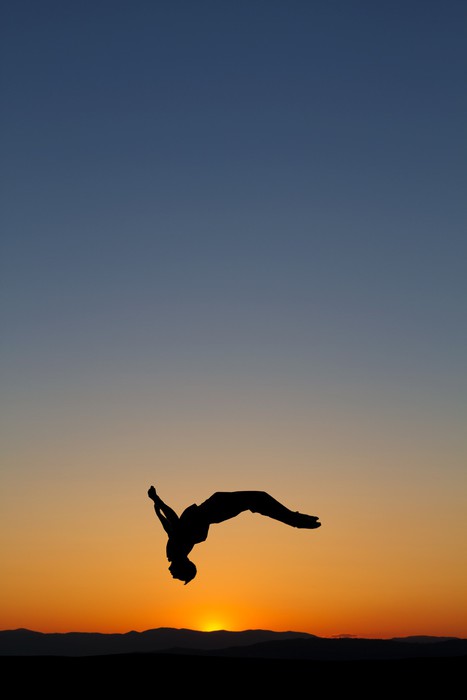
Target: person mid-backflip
{"x": 193, "y": 524}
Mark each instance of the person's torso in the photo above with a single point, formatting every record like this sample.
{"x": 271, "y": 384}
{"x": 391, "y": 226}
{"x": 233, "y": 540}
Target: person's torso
{"x": 192, "y": 527}
{"x": 191, "y": 530}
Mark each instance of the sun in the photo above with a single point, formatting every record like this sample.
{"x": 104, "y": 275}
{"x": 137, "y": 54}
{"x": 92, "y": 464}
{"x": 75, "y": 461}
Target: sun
{"x": 211, "y": 624}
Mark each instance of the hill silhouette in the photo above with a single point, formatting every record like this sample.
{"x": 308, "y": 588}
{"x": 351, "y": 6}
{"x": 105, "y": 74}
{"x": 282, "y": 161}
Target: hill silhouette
{"x": 245, "y": 644}
{"x": 249, "y": 663}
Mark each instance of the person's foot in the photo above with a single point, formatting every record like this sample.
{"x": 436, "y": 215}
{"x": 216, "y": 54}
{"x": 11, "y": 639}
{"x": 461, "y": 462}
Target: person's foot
{"x": 152, "y": 494}
{"x": 308, "y": 522}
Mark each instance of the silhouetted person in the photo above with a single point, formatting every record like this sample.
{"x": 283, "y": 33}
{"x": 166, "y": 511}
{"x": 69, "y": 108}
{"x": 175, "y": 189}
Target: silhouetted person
{"x": 193, "y": 525}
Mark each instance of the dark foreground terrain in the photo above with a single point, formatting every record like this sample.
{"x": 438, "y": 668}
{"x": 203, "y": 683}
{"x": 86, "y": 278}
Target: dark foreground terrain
{"x": 211, "y": 676}
{"x": 254, "y": 663}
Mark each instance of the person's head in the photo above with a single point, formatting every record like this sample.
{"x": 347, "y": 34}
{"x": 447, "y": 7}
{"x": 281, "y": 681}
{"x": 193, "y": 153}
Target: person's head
{"x": 183, "y": 569}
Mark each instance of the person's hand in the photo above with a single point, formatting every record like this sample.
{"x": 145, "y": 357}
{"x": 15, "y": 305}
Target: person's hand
{"x": 152, "y": 494}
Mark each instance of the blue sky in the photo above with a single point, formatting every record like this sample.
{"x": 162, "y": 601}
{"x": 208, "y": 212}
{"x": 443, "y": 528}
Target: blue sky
{"x": 248, "y": 185}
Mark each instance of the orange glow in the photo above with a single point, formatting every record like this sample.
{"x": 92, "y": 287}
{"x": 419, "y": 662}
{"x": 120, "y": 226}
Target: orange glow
{"x": 212, "y": 624}
{"x": 92, "y": 558}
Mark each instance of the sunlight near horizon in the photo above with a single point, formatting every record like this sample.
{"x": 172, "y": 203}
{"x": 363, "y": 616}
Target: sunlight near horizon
{"x": 211, "y": 624}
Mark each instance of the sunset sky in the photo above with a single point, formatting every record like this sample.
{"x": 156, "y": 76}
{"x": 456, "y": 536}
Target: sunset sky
{"x": 234, "y": 256}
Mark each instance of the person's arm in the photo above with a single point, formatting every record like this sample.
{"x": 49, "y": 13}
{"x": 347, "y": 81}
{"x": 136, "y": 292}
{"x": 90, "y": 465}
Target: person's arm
{"x": 167, "y": 516}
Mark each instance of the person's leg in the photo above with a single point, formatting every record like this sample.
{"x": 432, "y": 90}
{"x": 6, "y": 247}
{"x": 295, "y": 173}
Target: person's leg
{"x": 225, "y": 505}
{"x": 265, "y": 504}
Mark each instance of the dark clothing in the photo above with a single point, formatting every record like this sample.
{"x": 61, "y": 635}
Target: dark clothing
{"x": 192, "y": 526}
{"x": 191, "y": 529}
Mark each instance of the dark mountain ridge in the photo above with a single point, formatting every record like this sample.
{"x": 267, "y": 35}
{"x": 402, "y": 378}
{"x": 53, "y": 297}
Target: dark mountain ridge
{"x": 29, "y": 643}
{"x": 253, "y": 644}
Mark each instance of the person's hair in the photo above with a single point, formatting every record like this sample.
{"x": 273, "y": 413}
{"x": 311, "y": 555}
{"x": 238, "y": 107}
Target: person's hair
{"x": 183, "y": 569}
{"x": 190, "y": 571}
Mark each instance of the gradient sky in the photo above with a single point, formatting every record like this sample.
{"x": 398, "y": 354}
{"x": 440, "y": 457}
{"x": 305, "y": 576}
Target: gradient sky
{"x": 234, "y": 256}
